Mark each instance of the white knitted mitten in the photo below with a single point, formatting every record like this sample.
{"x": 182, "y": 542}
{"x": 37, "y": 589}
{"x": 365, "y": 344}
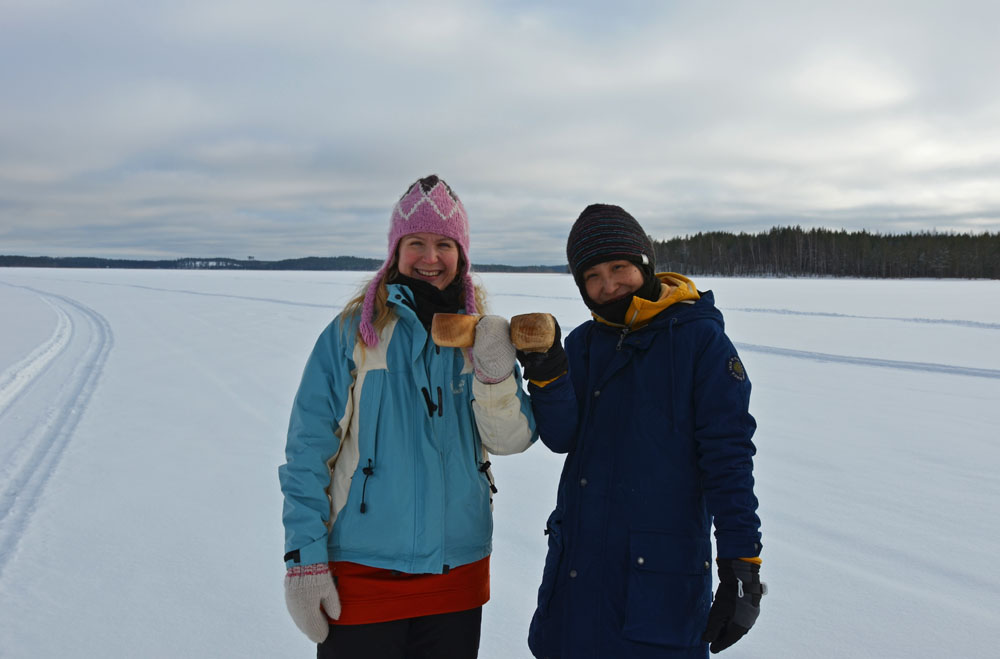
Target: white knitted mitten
{"x": 493, "y": 353}
{"x": 311, "y": 596}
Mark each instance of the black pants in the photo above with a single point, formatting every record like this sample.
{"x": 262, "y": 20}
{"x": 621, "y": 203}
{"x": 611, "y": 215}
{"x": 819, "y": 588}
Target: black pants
{"x": 446, "y": 635}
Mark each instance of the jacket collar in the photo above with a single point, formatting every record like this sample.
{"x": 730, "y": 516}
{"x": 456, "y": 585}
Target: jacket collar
{"x": 674, "y": 289}
{"x": 401, "y": 298}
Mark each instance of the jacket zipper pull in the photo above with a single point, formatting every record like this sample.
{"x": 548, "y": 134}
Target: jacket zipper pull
{"x": 622, "y": 338}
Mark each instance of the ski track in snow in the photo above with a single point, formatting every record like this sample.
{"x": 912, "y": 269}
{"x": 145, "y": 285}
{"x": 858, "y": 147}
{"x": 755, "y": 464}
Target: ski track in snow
{"x": 925, "y": 367}
{"x": 271, "y": 300}
{"x": 869, "y": 361}
{"x": 540, "y": 297}
{"x": 183, "y": 291}
{"x": 826, "y": 314}
{"x": 975, "y": 324}
{"x": 42, "y": 398}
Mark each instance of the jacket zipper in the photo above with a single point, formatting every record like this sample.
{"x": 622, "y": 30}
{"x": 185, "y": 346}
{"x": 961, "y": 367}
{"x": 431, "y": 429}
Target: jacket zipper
{"x": 622, "y": 338}
{"x": 625, "y": 331}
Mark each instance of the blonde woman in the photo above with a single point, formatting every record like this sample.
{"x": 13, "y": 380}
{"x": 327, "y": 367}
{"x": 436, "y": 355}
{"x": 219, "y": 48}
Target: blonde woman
{"x": 387, "y": 485}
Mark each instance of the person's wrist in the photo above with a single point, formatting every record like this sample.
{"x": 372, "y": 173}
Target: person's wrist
{"x": 307, "y": 575}
{"x": 550, "y": 366}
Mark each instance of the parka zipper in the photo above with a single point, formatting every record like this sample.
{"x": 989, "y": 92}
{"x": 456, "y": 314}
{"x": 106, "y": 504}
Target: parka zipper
{"x": 626, "y": 330}
{"x": 621, "y": 338}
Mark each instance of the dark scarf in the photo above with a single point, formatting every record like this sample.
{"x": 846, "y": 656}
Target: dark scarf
{"x": 614, "y": 311}
{"x": 430, "y": 299}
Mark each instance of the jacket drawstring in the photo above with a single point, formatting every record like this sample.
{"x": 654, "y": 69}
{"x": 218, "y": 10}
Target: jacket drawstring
{"x": 368, "y": 471}
{"x": 430, "y": 403}
{"x": 484, "y": 468}
{"x": 431, "y": 407}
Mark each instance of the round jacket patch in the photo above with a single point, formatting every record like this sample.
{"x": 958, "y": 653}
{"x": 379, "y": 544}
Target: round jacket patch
{"x": 736, "y": 369}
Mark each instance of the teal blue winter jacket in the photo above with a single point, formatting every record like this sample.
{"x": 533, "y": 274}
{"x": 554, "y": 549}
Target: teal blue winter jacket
{"x": 386, "y": 458}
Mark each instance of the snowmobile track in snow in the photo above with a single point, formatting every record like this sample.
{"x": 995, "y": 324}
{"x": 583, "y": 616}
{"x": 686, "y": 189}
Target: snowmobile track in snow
{"x": 16, "y": 378}
{"x": 42, "y": 398}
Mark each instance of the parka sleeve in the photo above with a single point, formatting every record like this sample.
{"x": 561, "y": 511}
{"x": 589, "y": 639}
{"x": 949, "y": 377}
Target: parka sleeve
{"x": 557, "y": 412}
{"x": 320, "y": 415}
{"x": 503, "y": 415}
{"x": 723, "y": 432}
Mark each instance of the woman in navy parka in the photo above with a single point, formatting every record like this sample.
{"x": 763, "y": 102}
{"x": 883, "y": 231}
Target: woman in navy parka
{"x": 653, "y": 416}
{"x": 387, "y": 485}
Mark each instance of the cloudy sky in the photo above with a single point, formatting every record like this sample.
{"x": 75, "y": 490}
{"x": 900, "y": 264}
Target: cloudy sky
{"x": 172, "y": 128}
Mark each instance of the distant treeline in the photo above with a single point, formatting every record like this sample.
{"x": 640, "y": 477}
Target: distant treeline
{"x": 780, "y": 252}
{"x": 795, "y": 252}
{"x": 308, "y": 263}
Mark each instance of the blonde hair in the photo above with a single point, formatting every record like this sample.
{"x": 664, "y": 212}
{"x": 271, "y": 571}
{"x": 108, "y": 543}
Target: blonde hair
{"x": 382, "y": 313}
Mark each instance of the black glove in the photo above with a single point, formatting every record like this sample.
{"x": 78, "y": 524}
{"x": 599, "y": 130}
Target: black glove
{"x": 548, "y": 365}
{"x": 736, "y": 605}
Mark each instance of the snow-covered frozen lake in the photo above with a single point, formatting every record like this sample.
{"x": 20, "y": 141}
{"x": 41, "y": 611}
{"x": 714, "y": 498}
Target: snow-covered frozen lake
{"x": 142, "y": 421}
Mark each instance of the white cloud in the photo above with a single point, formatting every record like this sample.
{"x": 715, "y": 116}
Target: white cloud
{"x": 845, "y": 82}
{"x": 289, "y": 128}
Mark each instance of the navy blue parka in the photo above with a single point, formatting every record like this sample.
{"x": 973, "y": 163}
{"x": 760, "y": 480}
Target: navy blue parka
{"x": 657, "y": 431}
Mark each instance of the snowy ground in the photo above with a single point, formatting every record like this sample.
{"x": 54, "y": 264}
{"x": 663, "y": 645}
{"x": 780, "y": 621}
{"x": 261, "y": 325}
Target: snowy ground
{"x": 142, "y": 420}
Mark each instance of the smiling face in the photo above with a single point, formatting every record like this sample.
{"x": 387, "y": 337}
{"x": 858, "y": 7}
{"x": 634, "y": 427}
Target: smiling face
{"x": 611, "y": 280}
{"x": 430, "y": 257}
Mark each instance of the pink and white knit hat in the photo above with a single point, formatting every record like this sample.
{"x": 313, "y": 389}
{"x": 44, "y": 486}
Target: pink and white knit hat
{"x": 430, "y": 206}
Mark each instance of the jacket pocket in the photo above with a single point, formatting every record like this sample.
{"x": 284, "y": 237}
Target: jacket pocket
{"x": 669, "y": 588}
{"x": 553, "y": 559}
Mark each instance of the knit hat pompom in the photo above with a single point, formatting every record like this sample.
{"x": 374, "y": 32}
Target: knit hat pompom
{"x": 429, "y": 205}
{"x": 607, "y": 233}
